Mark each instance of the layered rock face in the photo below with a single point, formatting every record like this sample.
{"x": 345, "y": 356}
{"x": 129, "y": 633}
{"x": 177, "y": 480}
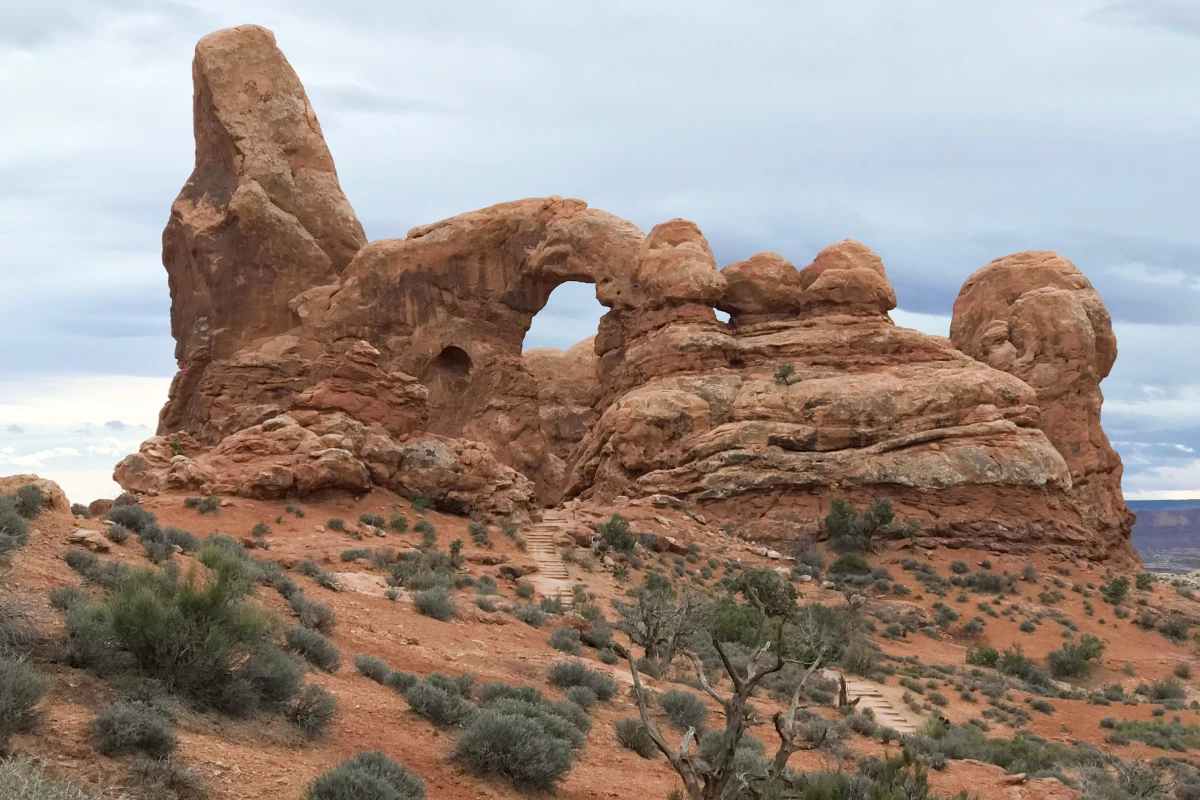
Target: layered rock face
{"x": 311, "y": 360}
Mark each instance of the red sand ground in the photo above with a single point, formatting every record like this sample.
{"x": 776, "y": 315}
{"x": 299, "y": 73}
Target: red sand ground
{"x": 262, "y": 759}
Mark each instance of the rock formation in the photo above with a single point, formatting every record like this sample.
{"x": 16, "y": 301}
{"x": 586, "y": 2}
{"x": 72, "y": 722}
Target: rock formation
{"x": 1036, "y": 316}
{"x": 312, "y": 360}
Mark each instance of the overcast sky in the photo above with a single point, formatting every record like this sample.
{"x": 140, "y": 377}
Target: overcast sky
{"x": 943, "y": 133}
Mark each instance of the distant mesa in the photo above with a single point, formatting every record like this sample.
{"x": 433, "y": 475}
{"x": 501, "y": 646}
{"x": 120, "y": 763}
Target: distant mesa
{"x": 311, "y": 359}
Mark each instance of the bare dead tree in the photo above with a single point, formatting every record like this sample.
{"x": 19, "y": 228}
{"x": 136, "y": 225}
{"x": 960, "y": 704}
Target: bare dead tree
{"x": 661, "y": 624}
{"x": 716, "y": 778}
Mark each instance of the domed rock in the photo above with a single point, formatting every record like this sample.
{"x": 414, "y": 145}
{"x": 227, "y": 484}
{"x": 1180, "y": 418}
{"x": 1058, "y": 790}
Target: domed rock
{"x": 847, "y": 278}
{"x": 1036, "y": 316}
{"x": 764, "y": 284}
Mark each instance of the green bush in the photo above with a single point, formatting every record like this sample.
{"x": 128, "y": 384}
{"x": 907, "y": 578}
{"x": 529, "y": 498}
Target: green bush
{"x": 581, "y": 696}
{"x": 29, "y": 500}
{"x": 313, "y": 647}
{"x": 20, "y": 690}
{"x": 959, "y": 567}
{"x": 203, "y": 505}
{"x": 849, "y": 564}
{"x": 369, "y": 775}
{"x": 335, "y": 524}
{"x": 312, "y": 710}
{"x": 514, "y": 747}
{"x": 576, "y": 673}
{"x": 14, "y": 530}
{"x": 615, "y": 533}
{"x": 372, "y": 667}
{"x": 197, "y": 636}
{"x": 851, "y": 531}
{"x": 478, "y": 532}
{"x": 497, "y": 690}
{"x": 1072, "y": 659}
{"x": 631, "y": 735}
{"x": 434, "y": 603}
{"x": 983, "y": 656}
{"x": 24, "y": 779}
{"x": 420, "y": 502}
{"x": 1143, "y": 581}
{"x": 784, "y": 374}
{"x": 437, "y": 704}
{"x": 317, "y": 616}
{"x": 64, "y": 598}
{"x": 355, "y": 553}
{"x": 135, "y": 518}
{"x": 566, "y": 639}
{"x": 684, "y": 709}
{"x": 319, "y": 574}
{"x": 398, "y": 523}
{"x": 167, "y": 779}
{"x": 531, "y": 615}
{"x": 132, "y": 727}
{"x": 374, "y": 520}
{"x": 80, "y": 510}
{"x": 400, "y": 681}
{"x": 1114, "y": 590}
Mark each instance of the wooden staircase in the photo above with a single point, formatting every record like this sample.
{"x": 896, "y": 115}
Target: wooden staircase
{"x": 871, "y": 695}
{"x": 541, "y": 542}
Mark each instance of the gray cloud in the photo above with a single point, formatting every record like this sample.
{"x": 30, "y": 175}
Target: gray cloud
{"x": 1004, "y": 127}
{"x": 116, "y": 425}
{"x": 1179, "y": 16}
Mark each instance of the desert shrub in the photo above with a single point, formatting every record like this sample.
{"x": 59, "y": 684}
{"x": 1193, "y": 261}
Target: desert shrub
{"x": 1183, "y": 670}
{"x": 530, "y": 614}
{"x": 983, "y": 656}
{"x": 684, "y": 709}
{"x": 434, "y": 603}
{"x": 1027, "y": 626}
{"x": 398, "y": 523}
{"x": 1175, "y": 627}
{"x": 478, "y": 532}
{"x": 631, "y": 735}
{"x": 14, "y": 530}
{"x": 317, "y": 616}
{"x": 582, "y": 696}
{"x": 851, "y": 531}
{"x": 197, "y": 636}
{"x": 576, "y": 673}
{"x": 1072, "y": 659}
{"x": 372, "y": 667}
{"x": 20, "y": 690}
{"x": 566, "y": 639}
{"x": 133, "y": 727}
{"x": 1166, "y": 689}
{"x": 615, "y": 533}
{"x": 167, "y": 779}
{"x": 1114, "y": 590}
{"x": 313, "y": 647}
{"x": 117, "y": 534}
{"x": 1038, "y": 704}
{"x": 374, "y": 520}
{"x": 1029, "y": 573}
{"x": 335, "y": 524}
{"x": 134, "y": 517}
{"x": 369, "y": 775}
{"x": 438, "y": 704}
{"x": 355, "y": 553}
{"x": 319, "y": 574}
{"x": 1143, "y": 581}
{"x": 203, "y": 505}
{"x": 80, "y": 510}
{"x": 851, "y": 563}
{"x": 497, "y": 690}
{"x": 959, "y": 567}
{"x": 63, "y": 598}
{"x": 29, "y": 500}
{"x": 400, "y": 681}
{"x": 428, "y": 534}
{"x": 312, "y": 710}
{"x": 420, "y": 502}
{"x": 517, "y": 748}
{"x": 25, "y": 779}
